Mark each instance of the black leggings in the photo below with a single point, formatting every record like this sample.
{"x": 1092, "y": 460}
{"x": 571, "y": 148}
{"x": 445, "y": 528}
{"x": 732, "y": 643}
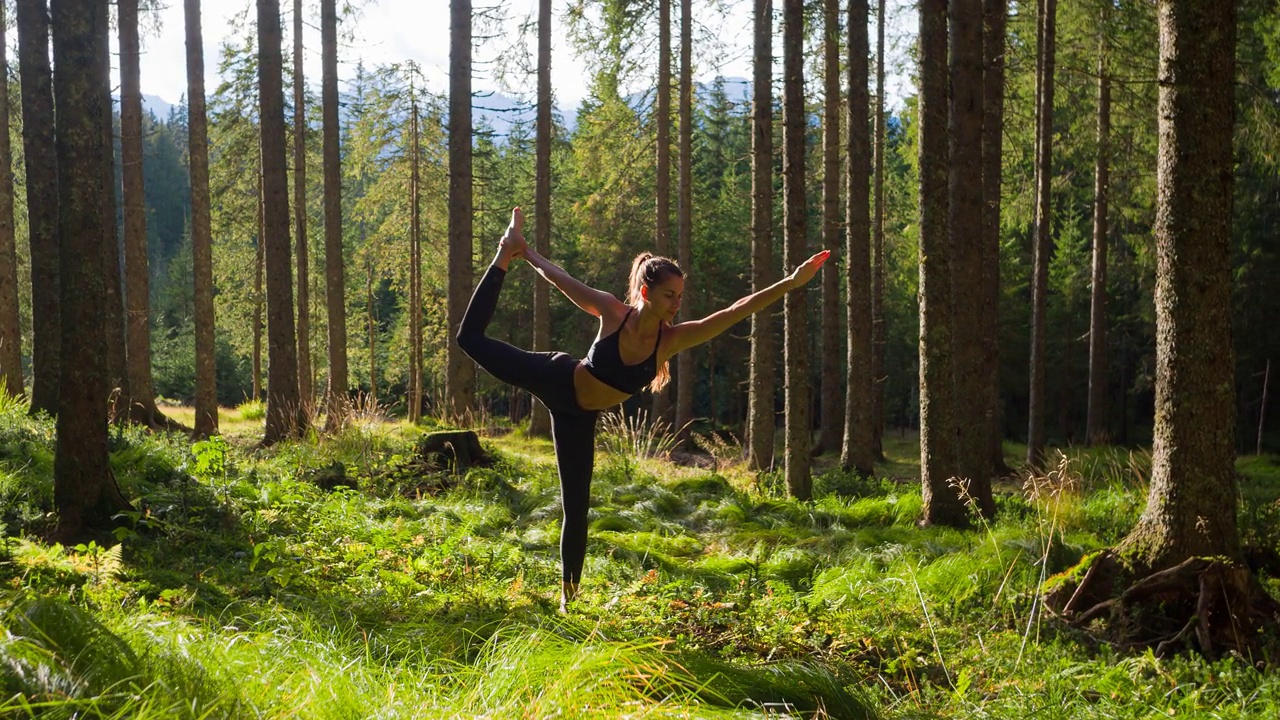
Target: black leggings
{"x": 549, "y": 376}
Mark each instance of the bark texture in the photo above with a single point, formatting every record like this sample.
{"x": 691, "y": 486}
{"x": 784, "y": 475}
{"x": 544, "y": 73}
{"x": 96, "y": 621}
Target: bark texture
{"x": 112, "y": 252}
{"x": 1096, "y": 417}
{"x": 685, "y": 361}
{"x": 795, "y": 305}
{"x": 540, "y": 419}
{"x": 206, "y": 420}
{"x": 995, "y": 17}
{"x": 1043, "y": 241}
{"x": 831, "y": 403}
{"x": 760, "y": 403}
{"x": 85, "y": 492}
{"x": 10, "y": 323}
{"x": 301, "y": 262}
{"x": 137, "y": 300}
{"x": 36, "y": 81}
{"x": 1191, "y": 509}
{"x": 285, "y": 415}
{"x": 339, "y": 406}
{"x": 461, "y": 380}
{"x": 878, "y": 326}
{"x": 858, "y": 450}
{"x": 662, "y": 183}
{"x": 964, "y": 223}
{"x": 942, "y": 505}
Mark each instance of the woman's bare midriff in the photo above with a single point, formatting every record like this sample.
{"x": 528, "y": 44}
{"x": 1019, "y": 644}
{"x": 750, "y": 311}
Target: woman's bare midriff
{"x": 591, "y": 393}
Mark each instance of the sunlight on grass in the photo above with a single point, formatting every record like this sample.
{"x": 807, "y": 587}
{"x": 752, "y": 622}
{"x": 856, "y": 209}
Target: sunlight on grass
{"x": 340, "y": 576}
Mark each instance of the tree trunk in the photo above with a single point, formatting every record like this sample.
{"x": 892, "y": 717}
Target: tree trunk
{"x": 685, "y": 371}
{"x": 415, "y": 270}
{"x": 460, "y": 382}
{"x": 1191, "y": 508}
{"x": 878, "y": 328}
{"x": 259, "y": 298}
{"x": 795, "y": 305}
{"x": 113, "y": 307}
{"x": 10, "y": 323}
{"x": 36, "y": 83}
{"x": 1096, "y": 419}
{"x": 285, "y": 416}
{"x": 760, "y": 412}
{"x": 995, "y": 13}
{"x": 858, "y": 451}
{"x": 141, "y": 401}
{"x": 305, "y": 385}
{"x": 85, "y": 491}
{"x": 1262, "y": 408}
{"x": 201, "y": 237}
{"x": 1177, "y": 580}
{"x": 1042, "y": 231}
{"x": 540, "y": 419}
{"x": 831, "y": 401}
{"x": 339, "y": 405}
{"x": 662, "y": 183}
{"x": 938, "y": 455}
{"x": 371, "y": 314}
{"x": 964, "y": 223}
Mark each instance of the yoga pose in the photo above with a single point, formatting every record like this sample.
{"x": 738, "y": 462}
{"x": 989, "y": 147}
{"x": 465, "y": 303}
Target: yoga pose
{"x": 631, "y": 351}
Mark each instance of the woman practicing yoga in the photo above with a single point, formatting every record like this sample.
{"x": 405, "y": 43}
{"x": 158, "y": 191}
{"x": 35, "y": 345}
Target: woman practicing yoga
{"x": 631, "y": 351}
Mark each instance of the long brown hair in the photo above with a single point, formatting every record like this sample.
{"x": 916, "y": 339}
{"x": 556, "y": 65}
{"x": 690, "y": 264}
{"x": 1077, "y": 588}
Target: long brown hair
{"x": 648, "y": 270}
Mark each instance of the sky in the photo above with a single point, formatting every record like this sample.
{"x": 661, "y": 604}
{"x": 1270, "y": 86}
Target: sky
{"x": 388, "y": 31}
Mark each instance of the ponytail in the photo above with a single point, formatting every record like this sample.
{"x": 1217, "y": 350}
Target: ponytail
{"x": 648, "y": 270}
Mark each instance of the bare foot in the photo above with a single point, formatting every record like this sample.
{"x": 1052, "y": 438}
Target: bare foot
{"x": 512, "y": 246}
{"x": 568, "y": 591}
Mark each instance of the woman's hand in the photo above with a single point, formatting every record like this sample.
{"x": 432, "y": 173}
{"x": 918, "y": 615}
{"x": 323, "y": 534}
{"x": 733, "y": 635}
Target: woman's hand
{"x": 807, "y": 269}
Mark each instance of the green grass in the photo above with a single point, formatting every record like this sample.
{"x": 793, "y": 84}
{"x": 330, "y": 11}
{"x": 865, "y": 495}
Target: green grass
{"x": 335, "y": 578}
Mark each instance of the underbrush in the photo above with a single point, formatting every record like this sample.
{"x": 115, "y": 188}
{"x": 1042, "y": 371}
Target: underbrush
{"x": 339, "y": 577}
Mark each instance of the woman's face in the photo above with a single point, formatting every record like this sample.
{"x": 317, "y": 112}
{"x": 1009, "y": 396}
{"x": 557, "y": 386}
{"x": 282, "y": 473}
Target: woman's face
{"x": 665, "y": 297}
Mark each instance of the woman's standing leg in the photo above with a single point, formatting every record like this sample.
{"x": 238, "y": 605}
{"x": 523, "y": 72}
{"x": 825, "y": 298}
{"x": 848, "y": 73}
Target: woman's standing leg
{"x": 574, "y": 436}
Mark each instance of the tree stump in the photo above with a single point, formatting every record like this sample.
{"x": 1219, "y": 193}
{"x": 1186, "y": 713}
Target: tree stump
{"x": 455, "y": 450}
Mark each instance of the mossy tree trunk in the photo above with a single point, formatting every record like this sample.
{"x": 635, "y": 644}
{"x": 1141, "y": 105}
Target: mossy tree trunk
{"x": 1177, "y": 579}
{"x": 85, "y": 492}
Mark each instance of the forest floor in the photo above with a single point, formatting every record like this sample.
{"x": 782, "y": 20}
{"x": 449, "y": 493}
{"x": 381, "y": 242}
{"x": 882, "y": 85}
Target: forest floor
{"x": 342, "y": 576}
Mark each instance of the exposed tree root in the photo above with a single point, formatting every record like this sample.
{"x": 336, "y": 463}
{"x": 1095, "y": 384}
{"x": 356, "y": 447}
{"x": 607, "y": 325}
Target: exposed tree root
{"x": 1210, "y": 605}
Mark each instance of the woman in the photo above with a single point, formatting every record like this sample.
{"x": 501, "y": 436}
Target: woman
{"x": 631, "y": 351}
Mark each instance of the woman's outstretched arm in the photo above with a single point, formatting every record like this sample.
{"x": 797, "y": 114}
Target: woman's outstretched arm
{"x": 696, "y": 332}
{"x": 596, "y": 302}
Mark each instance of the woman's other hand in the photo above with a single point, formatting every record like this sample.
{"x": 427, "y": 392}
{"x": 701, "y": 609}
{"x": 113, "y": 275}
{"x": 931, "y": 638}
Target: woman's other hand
{"x": 807, "y": 269}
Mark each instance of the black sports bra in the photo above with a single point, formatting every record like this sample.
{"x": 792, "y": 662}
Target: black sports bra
{"x": 604, "y": 362}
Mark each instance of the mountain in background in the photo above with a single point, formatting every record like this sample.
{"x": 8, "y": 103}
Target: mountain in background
{"x": 499, "y": 112}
